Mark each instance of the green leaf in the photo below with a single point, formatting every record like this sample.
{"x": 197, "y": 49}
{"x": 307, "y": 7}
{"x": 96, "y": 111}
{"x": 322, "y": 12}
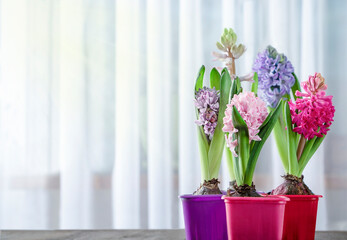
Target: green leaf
{"x": 200, "y": 79}
{"x": 238, "y": 85}
{"x": 224, "y": 93}
{"x": 203, "y": 150}
{"x": 239, "y": 176}
{"x": 306, "y": 151}
{"x": 296, "y": 86}
{"x": 255, "y": 84}
{"x": 233, "y": 90}
{"x": 281, "y": 142}
{"x": 224, "y": 70}
{"x": 202, "y": 139}
{"x": 242, "y": 133}
{"x": 267, "y": 118}
{"x": 264, "y": 133}
{"x": 243, "y": 145}
{"x": 217, "y": 144}
{"x": 238, "y": 121}
{"x": 316, "y": 145}
{"x": 313, "y": 149}
{"x": 291, "y": 142}
{"x": 215, "y": 79}
{"x": 243, "y": 150}
{"x": 286, "y": 97}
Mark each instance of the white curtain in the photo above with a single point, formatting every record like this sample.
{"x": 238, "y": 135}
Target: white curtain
{"x": 96, "y": 105}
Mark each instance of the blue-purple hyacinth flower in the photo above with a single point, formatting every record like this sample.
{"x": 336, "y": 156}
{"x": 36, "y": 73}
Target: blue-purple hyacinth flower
{"x": 207, "y": 103}
{"x": 275, "y": 75}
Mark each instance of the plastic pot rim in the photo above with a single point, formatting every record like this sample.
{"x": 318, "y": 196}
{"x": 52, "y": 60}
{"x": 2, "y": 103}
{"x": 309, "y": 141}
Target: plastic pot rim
{"x": 264, "y": 199}
{"x": 301, "y": 197}
{"x": 191, "y": 197}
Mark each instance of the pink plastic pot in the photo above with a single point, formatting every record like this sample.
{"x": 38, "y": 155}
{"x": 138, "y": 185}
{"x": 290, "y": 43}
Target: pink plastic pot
{"x": 256, "y": 218}
{"x": 300, "y": 217}
{"x": 204, "y": 217}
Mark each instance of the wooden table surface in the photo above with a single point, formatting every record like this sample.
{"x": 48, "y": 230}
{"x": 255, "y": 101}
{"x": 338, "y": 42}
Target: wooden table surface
{"x": 121, "y": 234}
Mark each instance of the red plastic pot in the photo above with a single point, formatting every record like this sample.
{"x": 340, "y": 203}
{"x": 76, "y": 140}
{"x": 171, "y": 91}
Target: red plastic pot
{"x": 300, "y": 217}
{"x": 256, "y": 218}
{"x": 204, "y": 217}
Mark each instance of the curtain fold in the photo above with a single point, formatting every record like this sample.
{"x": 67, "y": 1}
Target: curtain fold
{"x": 13, "y": 99}
{"x": 72, "y": 132}
{"x": 96, "y": 105}
{"x": 190, "y": 52}
{"x": 159, "y": 64}
{"x": 129, "y": 72}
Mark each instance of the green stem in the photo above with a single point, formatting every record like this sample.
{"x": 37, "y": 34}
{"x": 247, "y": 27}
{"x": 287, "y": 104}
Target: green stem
{"x": 296, "y": 87}
{"x": 291, "y": 140}
{"x": 237, "y": 166}
{"x": 305, "y": 155}
{"x": 232, "y": 69}
{"x": 301, "y": 146}
{"x": 243, "y": 142}
{"x": 229, "y": 158}
{"x": 315, "y": 145}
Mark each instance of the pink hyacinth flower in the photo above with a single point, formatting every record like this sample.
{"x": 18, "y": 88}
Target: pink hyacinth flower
{"x": 313, "y": 114}
{"x": 231, "y": 144}
{"x": 314, "y": 85}
{"x": 253, "y": 111}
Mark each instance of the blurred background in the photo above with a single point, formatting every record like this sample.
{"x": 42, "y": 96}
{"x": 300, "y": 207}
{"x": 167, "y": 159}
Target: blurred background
{"x": 96, "y": 105}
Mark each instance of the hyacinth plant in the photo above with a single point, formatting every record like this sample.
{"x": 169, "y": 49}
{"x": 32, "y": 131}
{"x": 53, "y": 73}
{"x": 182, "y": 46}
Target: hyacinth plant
{"x": 247, "y": 125}
{"x": 305, "y": 118}
{"x": 229, "y": 53}
{"x": 210, "y": 104}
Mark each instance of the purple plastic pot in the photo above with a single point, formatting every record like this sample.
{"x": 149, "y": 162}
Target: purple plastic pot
{"x": 204, "y": 217}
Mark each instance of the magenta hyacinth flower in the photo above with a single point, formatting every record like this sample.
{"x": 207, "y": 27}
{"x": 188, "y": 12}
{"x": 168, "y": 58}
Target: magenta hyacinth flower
{"x": 314, "y": 113}
{"x": 207, "y": 103}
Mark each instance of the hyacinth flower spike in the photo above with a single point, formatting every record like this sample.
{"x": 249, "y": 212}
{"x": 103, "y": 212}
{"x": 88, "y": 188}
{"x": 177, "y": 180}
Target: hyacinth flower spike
{"x": 275, "y": 75}
{"x": 230, "y": 51}
{"x": 312, "y": 115}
